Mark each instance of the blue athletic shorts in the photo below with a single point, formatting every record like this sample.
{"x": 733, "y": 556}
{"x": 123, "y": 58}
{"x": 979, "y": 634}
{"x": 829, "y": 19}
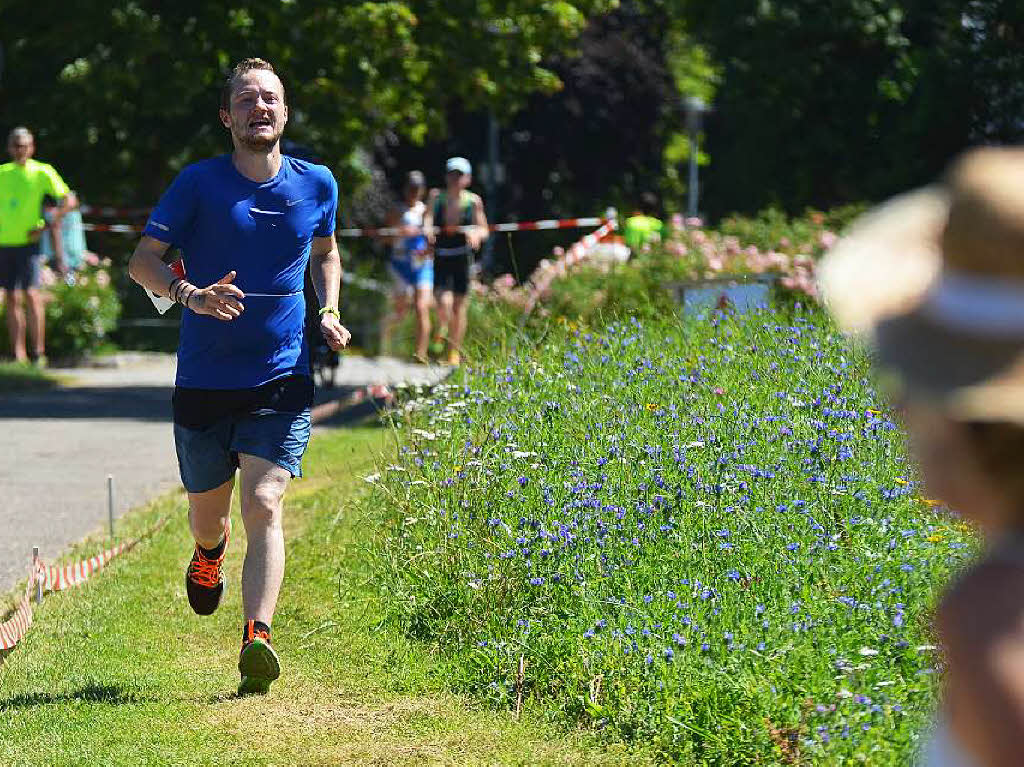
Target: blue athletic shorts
{"x": 407, "y": 276}
{"x": 207, "y": 458}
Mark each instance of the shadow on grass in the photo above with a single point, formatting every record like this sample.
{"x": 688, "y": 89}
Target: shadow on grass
{"x": 91, "y": 693}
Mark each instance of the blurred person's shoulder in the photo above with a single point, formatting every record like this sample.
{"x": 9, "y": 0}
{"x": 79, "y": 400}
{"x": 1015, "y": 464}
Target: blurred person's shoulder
{"x": 984, "y": 608}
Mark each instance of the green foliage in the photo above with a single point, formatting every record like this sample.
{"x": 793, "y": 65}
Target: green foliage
{"x": 704, "y": 536}
{"x": 824, "y": 103}
{"x": 772, "y": 229}
{"x": 141, "y": 80}
{"x": 20, "y": 376}
{"x": 81, "y": 317}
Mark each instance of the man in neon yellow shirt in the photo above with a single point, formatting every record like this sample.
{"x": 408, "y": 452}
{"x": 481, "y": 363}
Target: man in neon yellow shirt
{"x": 24, "y": 183}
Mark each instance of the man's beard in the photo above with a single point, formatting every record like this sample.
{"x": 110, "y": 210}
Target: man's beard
{"x": 259, "y": 143}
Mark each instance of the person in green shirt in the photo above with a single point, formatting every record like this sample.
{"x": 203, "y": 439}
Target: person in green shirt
{"x": 24, "y": 183}
{"x": 641, "y": 230}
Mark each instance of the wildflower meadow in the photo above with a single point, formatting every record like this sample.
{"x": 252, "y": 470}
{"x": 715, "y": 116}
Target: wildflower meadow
{"x": 700, "y": 536}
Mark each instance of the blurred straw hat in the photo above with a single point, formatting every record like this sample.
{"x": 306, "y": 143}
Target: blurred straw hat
{"x": 936, "y": 279}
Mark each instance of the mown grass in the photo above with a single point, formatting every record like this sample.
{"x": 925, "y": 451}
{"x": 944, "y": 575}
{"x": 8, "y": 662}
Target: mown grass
{"x": 120, "y": 672}
{"x": 699, "y": 536}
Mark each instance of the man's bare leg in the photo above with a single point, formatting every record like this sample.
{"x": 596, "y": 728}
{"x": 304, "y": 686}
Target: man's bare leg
{"x": 460, "y": 314}
{"x": 16, "y": 324}
{"x": 444, "y": 315}
{"x": 36, "y": 321}
{"x": 263, "y": 487}
{"x": 208, "y": 514}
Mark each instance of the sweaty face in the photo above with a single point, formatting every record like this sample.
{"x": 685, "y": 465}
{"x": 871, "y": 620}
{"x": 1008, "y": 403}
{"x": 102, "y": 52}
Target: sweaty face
{"x": 256, "y": 114}
{"x": 20, "y": 149}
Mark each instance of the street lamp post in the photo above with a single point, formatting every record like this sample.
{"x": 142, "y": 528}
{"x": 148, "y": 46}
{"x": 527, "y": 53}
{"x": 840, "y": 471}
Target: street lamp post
{"x": 695, "y": 111}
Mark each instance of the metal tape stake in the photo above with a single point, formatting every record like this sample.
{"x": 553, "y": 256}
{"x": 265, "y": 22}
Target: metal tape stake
{"x": 35, "y": 574}
{"x": 110, "y": 502}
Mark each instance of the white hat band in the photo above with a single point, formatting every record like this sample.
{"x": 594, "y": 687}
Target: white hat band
{"x": 977, "y": 304}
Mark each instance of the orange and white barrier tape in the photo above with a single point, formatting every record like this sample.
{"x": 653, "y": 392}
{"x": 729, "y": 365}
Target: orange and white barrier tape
{"x": 546, "y": 271}
{"x": 58, "y": 578}
{"x": 511, "y": 226}
{"x": 14, "y": 628}
{"x": 107, "y": 211}
{"x": 119, "y": 228}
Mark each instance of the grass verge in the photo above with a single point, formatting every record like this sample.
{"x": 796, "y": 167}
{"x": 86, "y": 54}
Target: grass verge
{"x": 20, "y": 376}
{"x": 119, "y": 671}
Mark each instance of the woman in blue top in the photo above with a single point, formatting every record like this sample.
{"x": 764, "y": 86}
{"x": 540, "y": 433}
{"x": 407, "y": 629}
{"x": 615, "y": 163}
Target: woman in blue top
{"x": 412, "y": 265}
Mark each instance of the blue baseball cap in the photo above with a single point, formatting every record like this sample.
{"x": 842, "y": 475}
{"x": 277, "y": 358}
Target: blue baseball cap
{"x": 459, "y": 164}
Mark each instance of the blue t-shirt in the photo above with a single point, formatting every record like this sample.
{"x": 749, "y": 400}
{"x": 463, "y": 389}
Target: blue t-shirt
{"x": 222, "y": 221}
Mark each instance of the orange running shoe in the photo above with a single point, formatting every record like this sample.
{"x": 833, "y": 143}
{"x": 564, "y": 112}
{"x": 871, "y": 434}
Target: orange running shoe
{"x": 204, "y": 580}
{"x": 257, "y": 663}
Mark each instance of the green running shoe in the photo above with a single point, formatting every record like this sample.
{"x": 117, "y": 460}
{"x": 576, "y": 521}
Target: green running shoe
{"x": 257, "y": 663}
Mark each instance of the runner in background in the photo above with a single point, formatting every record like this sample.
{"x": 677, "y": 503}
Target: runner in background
{"x": 248, "y": 224}
{"x": 412, "y": 267}
{"x": 453, "y": 253}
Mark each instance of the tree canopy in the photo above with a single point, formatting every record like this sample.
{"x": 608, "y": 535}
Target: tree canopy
{"x": 815, "y": 102}
{"x": 123, "y": 94}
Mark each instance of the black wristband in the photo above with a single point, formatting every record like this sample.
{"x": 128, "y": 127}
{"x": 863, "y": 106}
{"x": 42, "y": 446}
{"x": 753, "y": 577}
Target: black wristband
{"x": 172, "y": 287}
{"x": 181, "y": 291}
{"x": 189, "y": 296}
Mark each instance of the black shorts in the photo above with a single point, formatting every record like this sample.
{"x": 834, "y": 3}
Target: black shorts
{"x": 19, "y": 267}
{"x": 452, "y": 272}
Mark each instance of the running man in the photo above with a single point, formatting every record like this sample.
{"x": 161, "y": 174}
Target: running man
{"x": 453, "y": 253}
{"x": 24, "y": 184}
{"x": 247, "y": 223}
{"x": 412, "y": 267}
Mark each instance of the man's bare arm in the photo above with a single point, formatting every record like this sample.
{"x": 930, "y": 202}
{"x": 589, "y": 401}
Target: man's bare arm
{"x": 480, "y": 232}
{"x": 325, "y": 271}
{"x": 221, "y": 300}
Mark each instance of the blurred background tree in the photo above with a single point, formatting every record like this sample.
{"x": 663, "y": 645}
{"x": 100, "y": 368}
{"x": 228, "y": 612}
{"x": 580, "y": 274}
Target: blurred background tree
{"x": 123, "y": 94}
{"x": 816, "y": 102}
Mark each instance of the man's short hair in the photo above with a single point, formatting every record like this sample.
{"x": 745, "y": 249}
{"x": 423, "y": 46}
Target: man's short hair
{"x": 243, "y": 67}
{"x": 21, "y": 132}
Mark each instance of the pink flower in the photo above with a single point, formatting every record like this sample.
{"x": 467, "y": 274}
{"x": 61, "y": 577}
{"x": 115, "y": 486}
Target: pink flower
{"x": 828, "y": 239}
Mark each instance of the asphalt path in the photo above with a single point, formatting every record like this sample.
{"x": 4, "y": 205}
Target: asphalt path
{"x": 58, "y": 446}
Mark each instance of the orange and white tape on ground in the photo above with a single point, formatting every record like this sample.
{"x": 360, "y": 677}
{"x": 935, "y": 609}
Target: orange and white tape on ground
{"x": 58, "y": 578}
{"x": 14, "y": 628}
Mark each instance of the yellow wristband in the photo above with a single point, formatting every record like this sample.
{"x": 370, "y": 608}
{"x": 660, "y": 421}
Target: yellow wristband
{"x": 330, "y": 310}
